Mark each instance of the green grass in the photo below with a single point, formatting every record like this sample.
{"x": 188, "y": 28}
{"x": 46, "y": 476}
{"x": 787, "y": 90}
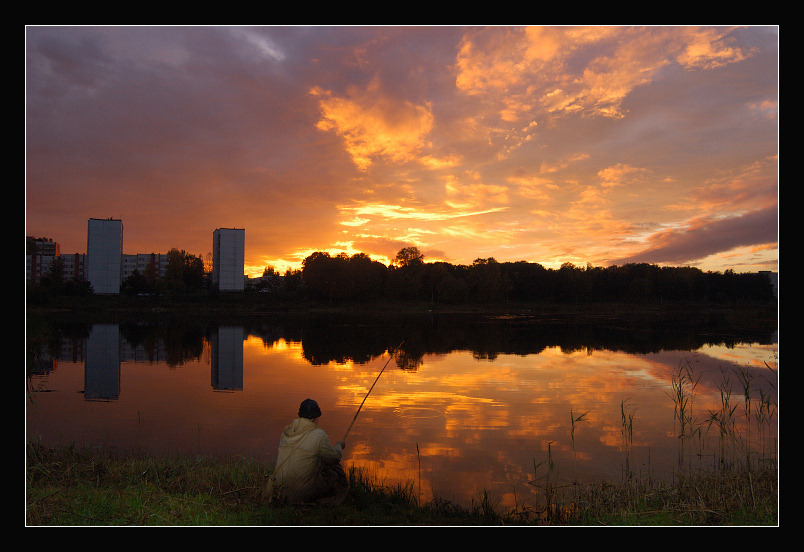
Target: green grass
{"x": 72, "y": 486}
{"x": 735, "y": 496}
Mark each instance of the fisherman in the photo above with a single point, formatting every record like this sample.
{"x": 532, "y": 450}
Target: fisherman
{"x": 308, "y": 468}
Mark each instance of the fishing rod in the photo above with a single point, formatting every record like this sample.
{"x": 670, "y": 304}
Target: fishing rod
{"x": 369, "y": 391}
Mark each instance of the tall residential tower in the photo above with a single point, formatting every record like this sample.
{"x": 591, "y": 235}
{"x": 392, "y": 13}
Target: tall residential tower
{"x": 105, "y": 255}
{"x": 228, "y": 258}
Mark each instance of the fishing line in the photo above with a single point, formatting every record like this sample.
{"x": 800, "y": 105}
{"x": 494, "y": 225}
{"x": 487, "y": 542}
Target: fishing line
{"x": 369, "y": 391}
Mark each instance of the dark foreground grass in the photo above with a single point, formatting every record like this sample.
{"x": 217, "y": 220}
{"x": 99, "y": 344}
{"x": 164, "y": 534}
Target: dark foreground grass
{"x": 77, "y": 487}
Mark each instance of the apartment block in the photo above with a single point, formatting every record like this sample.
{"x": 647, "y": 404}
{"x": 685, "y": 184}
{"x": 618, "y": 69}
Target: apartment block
{"x": 39, "y": 255}
{"x": 37, "y": 266}
{"x": 228, "y": 257}
{"x": 105, "y": 266}
{"x": 105, "y": 255}
{"x": 42, "y": 246}
{"x": 73, "y": 266}
{"x": 145, "y": 262}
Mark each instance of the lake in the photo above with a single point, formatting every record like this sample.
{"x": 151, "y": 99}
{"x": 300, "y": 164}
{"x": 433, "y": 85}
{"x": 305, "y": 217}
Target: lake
{"x": 470, "y": 403}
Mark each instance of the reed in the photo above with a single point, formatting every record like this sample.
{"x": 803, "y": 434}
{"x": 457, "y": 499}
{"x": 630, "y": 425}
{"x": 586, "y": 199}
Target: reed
{"x": 730, "y": 493}
{"x": 546, "y": 486}
{"x": 745, "y": 377}
{"x": 419, "y": 463}
{"x": 735, "y": 435}
{"x": 683, "y": 384}
{"x": 574, "y": 421}
{"x": 724, "y": 420}
{"x": 765, "y": 416}
{"x": 716, "y": 497}
{"x": 627, "y": 415}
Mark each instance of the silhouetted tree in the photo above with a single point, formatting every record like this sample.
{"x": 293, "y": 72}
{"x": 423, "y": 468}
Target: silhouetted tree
{"x": 292, "y": 281}
{"x": 317, "y": 277}
{"x": 406, "y": 276}
{"x": 135, "y": 284}
{"x": 184, "y": 272}
{"x": 53, "y": 279}
{"x": 487, "y": 282}
{"x": 409, "y": 256}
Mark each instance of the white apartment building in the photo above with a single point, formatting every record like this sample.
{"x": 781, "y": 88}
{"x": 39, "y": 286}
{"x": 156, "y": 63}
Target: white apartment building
{"x": 228, "y": 258}
{"x": 105, "y": 255}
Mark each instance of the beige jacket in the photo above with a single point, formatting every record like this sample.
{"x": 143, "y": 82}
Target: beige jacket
{"x": 303, "y": 449}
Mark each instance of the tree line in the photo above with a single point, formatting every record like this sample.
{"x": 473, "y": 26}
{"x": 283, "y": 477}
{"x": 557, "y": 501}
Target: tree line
{"x": 357, "y": 277}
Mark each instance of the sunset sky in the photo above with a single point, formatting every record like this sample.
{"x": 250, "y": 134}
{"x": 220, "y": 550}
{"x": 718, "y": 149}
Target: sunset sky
{"x": 601, "y": 145}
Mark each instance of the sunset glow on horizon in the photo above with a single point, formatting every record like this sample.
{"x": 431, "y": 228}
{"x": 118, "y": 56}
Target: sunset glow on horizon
{"x": 589, "y": 145}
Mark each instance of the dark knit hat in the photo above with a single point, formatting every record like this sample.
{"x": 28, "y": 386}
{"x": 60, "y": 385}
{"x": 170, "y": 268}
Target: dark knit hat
{"x": 309, "y": 409}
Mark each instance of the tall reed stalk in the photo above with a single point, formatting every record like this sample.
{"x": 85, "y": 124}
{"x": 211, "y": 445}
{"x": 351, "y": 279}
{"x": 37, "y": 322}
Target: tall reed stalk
{"x": 745, "y": 377}
{"x": 765, "y": 416}
{"x": 683, "y": 384}
{"x": 627, "y": 414}
{"x": 574, "y": 421}
{"x": 419, "y": 461}
{"x": 697, "y": 496}
{"x": 550, "y": 509}
{"x": 724, "y": 420}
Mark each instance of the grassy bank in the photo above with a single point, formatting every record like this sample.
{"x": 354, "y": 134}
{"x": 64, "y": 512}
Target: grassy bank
{"x": 77, "y": 487}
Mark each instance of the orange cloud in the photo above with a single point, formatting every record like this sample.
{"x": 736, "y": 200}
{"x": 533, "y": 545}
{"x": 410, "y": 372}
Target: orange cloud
{"x": 708, "y": 48}
{"x": 620, "y": 175}
{"x": 374, "y": 126}
{"x": 545, "y": 66}
{"x": 473, "y": 195}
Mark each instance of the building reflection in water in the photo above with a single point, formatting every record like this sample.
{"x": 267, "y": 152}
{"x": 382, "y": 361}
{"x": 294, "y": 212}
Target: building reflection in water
{"x": 102, "y": 371}
{"x": 106, "y": 349}
{"x": 227, "y": 358}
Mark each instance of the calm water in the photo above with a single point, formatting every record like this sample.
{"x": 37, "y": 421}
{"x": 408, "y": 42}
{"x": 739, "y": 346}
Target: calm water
{"x": 468, "y": 405}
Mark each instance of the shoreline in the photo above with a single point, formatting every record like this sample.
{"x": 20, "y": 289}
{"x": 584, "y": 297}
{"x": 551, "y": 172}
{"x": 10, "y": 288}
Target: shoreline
{"x": 744, "y": 317}
{"x": 251, "y": 303}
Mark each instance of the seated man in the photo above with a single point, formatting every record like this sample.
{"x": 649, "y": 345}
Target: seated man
{"x": 308, "y": 468}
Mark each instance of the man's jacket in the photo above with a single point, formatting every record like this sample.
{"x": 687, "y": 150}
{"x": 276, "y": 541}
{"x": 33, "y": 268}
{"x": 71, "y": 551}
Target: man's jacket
{"x": 303, "y": 448}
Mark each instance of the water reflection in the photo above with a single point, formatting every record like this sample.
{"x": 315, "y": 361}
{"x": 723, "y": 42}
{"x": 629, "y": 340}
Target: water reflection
{"x": 102, "y": 372}
{"x": 227, "y": 358}
{"x": 472, "y": 405}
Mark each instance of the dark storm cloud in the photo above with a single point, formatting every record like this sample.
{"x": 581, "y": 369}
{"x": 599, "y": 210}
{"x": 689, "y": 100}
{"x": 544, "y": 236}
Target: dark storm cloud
{"x": 708, "y": 237}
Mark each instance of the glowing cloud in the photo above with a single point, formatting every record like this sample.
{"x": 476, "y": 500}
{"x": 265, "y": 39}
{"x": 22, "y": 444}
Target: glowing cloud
{"x": 553, "y": 66}
{"x": 374, "y": 126}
